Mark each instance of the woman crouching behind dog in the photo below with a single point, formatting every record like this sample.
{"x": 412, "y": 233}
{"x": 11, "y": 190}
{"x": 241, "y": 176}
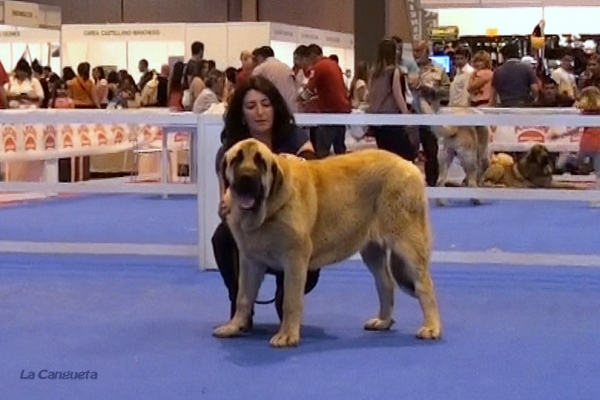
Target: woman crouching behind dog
{"x": 257, "y": 110}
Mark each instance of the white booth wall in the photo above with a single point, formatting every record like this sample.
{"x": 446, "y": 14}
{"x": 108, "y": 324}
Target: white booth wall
{"x": 224, "y": 42}
{"x": 122, "y": 45}
{"x": 520, "y": 21}
{"x": 33, "y": 43}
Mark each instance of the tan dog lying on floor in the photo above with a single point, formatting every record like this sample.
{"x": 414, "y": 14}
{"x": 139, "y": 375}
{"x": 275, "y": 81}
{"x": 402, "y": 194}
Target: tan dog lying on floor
{"x": 295, "y": 215}
{"x": 533, "y": 170}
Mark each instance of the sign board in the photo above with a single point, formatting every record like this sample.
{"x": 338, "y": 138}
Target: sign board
{"x": 123, "y": 33}
{"x": 284, "y": 33}
{"x": 19, "y": 13}
{"x": 444, "y": 32}
{"x": 308, "y": 36}
{"x": 491, "y": 32}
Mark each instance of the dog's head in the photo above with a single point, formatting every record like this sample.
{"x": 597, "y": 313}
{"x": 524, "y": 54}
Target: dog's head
{"x": 537, "y": 162}
{"x": 251, "y": 173}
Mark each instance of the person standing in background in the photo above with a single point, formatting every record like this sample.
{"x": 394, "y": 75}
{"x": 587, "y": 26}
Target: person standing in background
{"x": 278, "y": 73}
{"x": 432, "y": 88}
{"x": 386, "y": 96}
{"x": 564, "y": 77}
{"x": 196, "y": 58}
{"x": 248, "y": 64}
{"x": 480, "y": 83}
{"x": 591, "y": 76}
{"x": 514, "y": 83}
{"x": 459, "y": 88}
{"x": 327, "y": 91}
{"x": 3, "y": 81}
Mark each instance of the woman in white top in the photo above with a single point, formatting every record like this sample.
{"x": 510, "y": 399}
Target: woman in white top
{"x": 212, "y": 93}
{"x": 359, "y": 92}
{"x": 22, "y": 89}
{"x": 100, "y": 86}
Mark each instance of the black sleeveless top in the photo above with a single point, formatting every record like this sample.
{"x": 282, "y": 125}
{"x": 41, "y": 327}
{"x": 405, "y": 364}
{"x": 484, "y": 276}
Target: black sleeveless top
{"x": 291, "y": 145}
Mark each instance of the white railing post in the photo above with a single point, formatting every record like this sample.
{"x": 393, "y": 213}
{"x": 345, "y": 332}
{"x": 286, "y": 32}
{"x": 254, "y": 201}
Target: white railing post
{"x": 201, "y": 189}
{"x": 164, "y": 157}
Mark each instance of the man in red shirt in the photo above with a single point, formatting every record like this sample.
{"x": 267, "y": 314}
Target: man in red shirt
{"x": 3, "y": 81}
{"x": 328, "y": 94}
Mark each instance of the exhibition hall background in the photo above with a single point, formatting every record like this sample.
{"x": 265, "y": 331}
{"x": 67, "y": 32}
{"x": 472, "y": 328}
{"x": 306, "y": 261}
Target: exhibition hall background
{"x": 376, "y": 18}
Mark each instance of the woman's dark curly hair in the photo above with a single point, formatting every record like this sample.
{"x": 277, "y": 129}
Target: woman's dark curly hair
{"x": 237, "y": 130}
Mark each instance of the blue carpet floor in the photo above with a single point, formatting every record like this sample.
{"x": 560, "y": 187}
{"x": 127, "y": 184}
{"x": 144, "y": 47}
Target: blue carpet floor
{"x": 144, "y": 324}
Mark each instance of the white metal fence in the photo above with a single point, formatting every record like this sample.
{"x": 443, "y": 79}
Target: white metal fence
{"x": 205, "y": 142}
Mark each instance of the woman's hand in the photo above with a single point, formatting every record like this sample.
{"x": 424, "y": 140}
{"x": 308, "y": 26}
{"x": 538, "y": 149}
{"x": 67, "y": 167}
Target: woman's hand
{"x": 291, "y": 156}
{"x": 225, "y": 205}
{"x": 223, "y": 209}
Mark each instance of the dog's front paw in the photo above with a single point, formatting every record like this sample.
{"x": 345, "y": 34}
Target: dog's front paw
{"x": 229, "y": 330}
{"x": 378, "y": 324}
{"x": 286, "y": 339}
{"x": 430, "y": 332}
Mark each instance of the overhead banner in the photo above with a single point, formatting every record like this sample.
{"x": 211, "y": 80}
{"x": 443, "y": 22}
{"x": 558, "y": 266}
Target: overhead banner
{"x": 444, "y": 32}
{"x": 19, "y": 13}
{"x": 415, "y": 14}
{"x": 124, "y": 33}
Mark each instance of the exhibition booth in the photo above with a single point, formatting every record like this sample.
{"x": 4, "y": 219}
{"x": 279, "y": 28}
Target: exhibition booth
{"x": 123, "y": 45}
{"x": 30, "y": 31}
{"x": 502, "y": 18}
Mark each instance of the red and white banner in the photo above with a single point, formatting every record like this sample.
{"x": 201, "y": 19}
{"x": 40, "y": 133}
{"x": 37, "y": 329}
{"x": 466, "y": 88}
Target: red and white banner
{"x": 36, "y": 142}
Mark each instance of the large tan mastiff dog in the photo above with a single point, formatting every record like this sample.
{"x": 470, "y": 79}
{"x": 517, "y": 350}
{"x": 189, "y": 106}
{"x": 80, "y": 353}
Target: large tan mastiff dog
{"x": 295, "y": 215}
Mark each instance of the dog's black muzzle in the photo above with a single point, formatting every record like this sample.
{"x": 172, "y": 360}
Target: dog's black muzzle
{"x": 247, "y": 186}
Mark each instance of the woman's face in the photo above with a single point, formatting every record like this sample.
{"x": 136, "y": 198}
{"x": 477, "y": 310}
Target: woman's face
{"x": 258, "y": 113}
{"x": 219, "y": 87}
{"x": 21, "y": 75}
{"x": 478, "y": 65}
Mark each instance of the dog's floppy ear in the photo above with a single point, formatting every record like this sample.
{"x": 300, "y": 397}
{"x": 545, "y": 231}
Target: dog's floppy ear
{"x": 276, "y": 179}
{"x": 224, "y": 173}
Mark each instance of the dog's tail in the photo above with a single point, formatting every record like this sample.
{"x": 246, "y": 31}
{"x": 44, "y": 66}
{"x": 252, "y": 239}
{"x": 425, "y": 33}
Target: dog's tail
{"x": 403, "y": 274}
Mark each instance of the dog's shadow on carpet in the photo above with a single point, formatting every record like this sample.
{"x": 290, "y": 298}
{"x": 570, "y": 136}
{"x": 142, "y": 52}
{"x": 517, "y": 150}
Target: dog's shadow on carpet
{"x": 253, "y": 349}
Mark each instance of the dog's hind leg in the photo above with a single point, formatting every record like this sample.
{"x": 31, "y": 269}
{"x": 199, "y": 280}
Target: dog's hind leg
{"x": 410, "y": 269}
{"x": 445, "y": 158}
{"x": 470, "y": 163}
{"x": 483, "y": 158}
{"x": 375, "y": 258}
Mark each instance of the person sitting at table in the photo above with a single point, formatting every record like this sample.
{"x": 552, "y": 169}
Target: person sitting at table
{"x": 23, "y": 90}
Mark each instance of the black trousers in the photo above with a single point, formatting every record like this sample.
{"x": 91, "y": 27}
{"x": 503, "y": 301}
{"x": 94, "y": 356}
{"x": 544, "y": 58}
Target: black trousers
{"x": 395, "y": 139}
{"x": 429, "y": 142}
{"x": 329, "y": 135}
{"x": 227, "y": 258}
